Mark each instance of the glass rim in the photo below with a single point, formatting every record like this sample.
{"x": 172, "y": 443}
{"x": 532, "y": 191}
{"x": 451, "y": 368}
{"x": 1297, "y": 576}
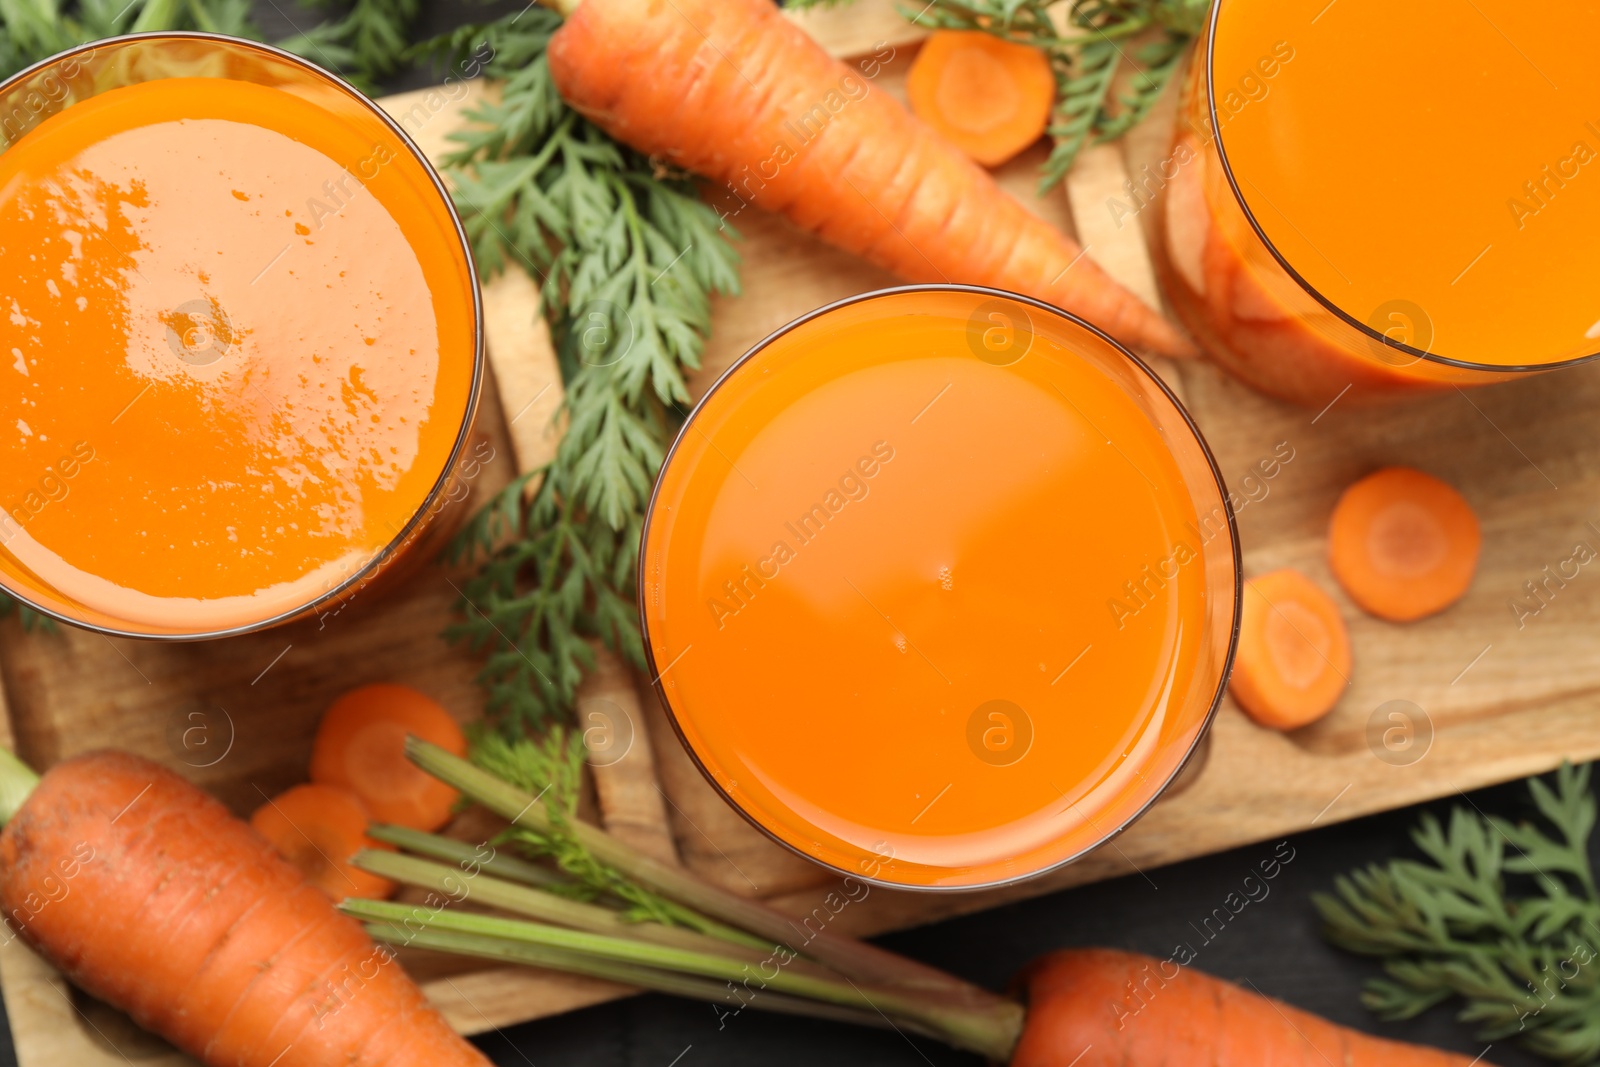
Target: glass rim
{"x": 1302, "y": 282}
{"x": 1141, "y": 367}
{"x": 479, "y": 360}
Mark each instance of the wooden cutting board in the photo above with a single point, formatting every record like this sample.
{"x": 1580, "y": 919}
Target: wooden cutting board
{"x": 1491, "y": 696}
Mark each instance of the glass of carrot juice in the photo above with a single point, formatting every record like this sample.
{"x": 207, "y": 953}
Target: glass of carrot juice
{"x": 1377, "y": 199}
{"x": 940, "y": 587}
{"x": 241, "y": 336}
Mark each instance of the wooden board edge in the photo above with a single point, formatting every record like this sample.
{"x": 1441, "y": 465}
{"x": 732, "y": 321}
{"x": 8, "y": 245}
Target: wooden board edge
{"x": 488, "y": 1000}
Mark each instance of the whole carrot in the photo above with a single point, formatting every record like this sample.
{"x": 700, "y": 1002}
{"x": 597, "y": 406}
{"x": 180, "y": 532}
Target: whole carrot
{"x": 733, "y": 91}
{"x": 1104, "y": 1008}
{"x": 147, "y": 893}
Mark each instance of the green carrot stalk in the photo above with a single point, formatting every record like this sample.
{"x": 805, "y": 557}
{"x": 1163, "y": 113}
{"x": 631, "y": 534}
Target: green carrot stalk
{"x": 844, "y": 955}
{"x": 486, "y": 890}
{"x": 682, "y": 985}
{"x": 448, "y": 849}
{"x": 990, "y": 1032}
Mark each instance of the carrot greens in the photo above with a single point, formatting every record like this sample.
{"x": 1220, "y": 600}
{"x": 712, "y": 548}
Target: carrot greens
{"x": 1503, "y": 915}
{"x": 628, "y": 258}
{"x": 543, "y": 814}
{"x": 1094, "y": 43}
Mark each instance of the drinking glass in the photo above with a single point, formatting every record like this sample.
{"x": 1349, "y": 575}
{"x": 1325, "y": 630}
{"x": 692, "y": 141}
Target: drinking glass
{"x": 200, "y": 333}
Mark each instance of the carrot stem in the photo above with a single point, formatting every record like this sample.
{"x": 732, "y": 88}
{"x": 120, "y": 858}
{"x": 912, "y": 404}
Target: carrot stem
{"x": 639, "y": 977}
{"x": 448, "y": 849}
{"x": 493, "y": 892}
{"x": 845, "y": 955}
{"x": 982, "y": 1033}
{"x": 17, "y": 782}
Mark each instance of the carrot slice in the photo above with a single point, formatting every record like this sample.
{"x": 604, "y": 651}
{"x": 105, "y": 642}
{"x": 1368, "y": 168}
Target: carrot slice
{"x": 1403, "y": 544}
{"x": 361, "y": 746}
{"x": 318, "y": 828}
{"x": 1294, "y": 652}
{"x": 988, "y": 97}
{"x": 1101, "y": 1007}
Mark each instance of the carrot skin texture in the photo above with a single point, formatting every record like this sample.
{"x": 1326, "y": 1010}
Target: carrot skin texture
{"x": 189, "y": 920}
{"x": 733, "y": 91}
{"x": 1105, "y": 1008}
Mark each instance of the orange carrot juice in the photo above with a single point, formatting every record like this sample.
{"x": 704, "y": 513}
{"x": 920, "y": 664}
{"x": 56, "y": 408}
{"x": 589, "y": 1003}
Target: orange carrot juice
{"x": 939, "y": 585}
{"x": 239, "y": 335}
{"x": 1387, "y": 197}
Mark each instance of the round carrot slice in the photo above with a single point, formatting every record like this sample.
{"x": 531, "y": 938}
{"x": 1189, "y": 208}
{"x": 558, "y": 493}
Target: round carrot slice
{"x": 1403, "y": 544}
{"x": 1293, "y": 660}
{"x": 361, "y": 747}
{"x": 318, "y": 828}
{"x": 988, "y": 97}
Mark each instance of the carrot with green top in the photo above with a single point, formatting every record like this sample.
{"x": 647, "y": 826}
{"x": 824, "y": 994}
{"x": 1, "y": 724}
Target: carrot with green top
{"x": 735, "y": 92}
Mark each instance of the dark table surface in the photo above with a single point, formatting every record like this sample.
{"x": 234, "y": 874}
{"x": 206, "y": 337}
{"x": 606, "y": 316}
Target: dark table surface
{"x": 1273, "y": 943}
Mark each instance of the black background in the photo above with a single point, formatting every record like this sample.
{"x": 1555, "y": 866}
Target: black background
{"x": 1273, "y": 943}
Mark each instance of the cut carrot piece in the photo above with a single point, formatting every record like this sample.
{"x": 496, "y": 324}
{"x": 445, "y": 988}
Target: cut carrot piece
{"x": 988, "y": 97}
{"x": 786, "y": 127}
{"x": 318, "y": 828}
{"x": 1403, "y": 544}
{"x": 361, "y": 746}
{"x": 1294, "y": 652}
